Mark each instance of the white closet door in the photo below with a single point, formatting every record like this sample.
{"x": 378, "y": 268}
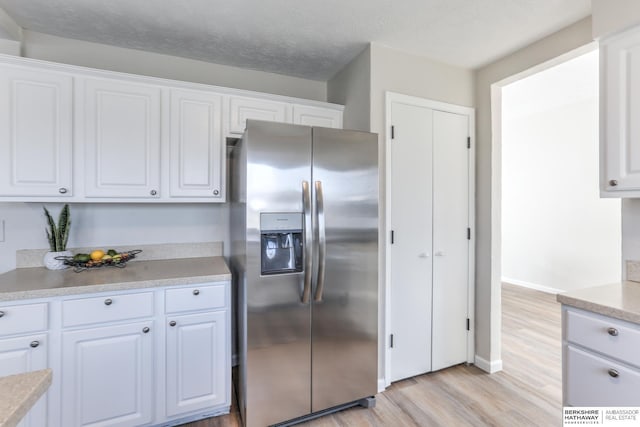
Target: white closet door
{"x": 450, "y": 240}
{"x": 410, "y": 198}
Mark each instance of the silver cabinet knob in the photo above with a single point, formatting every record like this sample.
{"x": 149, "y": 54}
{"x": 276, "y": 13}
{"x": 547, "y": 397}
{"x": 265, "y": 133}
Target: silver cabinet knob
{"x": 108, "y": 301}
{"x": 1, "y": 313}
{"x": 34, "y": 344}
{"x": 423, "y": 255}
{"x": 196, "y": 292}
{"x": 216, "y": 192}
{"x": 613, "y": 373}
{"x": 439, "y": 253}
{"x": 613, "y": 332}
{"x": 62, "y": 190}
{"x": 146, "y": 329}
{"x": 172, "y": 323}
{"x": 613, "y": 182}
{"x": 153, "y": 192}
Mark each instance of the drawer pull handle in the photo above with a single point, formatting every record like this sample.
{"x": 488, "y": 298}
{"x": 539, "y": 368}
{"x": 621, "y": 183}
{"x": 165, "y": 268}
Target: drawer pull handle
{"x": 196, "y": 292}
{"x": 1, "y": 313}
{"x": 146, "y": 329}
{"x": 613, "y": 332}
{"x": 108, "y": 301}
{"x": 34, "y": 344}
{"x": 613, "y": 373}
{"x": 172, "y": 323}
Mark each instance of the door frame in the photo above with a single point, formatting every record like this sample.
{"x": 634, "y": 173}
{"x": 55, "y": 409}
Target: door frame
{"x": 390, "y": 98}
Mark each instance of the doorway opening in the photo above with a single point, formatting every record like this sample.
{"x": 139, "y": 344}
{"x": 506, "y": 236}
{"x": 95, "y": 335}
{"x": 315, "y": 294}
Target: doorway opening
{"x": 557, "y": 234}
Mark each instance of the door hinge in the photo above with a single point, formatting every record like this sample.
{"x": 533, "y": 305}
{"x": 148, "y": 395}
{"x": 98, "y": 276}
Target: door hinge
{"x": 392, "y": 237}
{"x": 468, "y": 324}
{"x": 391, "y": 341}
{"x": 393, "y": 132}
{"x": 468, "y": 142}
{"x": 468, "y": 234}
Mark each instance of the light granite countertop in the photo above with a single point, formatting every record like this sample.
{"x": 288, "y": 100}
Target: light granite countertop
{"x": 617, "y": 300}
{"x": 38, "y": 282}
{"x": 18, "y": 393}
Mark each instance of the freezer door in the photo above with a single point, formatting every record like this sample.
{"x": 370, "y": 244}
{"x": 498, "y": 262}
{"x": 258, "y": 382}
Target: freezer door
{"x": 345, "y": 291}
{"x": 278, "y": 322}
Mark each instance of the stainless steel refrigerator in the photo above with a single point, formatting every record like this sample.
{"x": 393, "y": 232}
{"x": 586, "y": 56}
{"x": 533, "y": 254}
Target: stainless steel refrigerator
{"x": 304, "y": 256}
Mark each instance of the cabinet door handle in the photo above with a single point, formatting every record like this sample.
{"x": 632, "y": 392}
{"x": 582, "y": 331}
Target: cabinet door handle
{"x": 108, "y": 301}
{"x": 153, "y": 192}
{"x": 146, "y": 329}
{"x": 613, "y": 332}
{"x": 1, "y": 313}
{"x": 216, "y": 192}
{"x": 34, "y": 344}
{"x": 62, "y": 190}
{"x": 172, "y": 323}
{"x": 196, "y": 292}
{"x": 613, "y": 373}
{"x": 613, "y": 182}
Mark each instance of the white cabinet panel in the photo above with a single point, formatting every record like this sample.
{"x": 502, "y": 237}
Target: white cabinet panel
{"x": 317, "y": 116}
{"x": 620, "y": 107}
{"x": 196, "y": 150}
{"x": 26, "y": 354}
{"x": 241, "y": 109}
{"x": 107, "y": 376}
{"x": 122, "y": 139}
{"x": 36, "y": 133}
{"x": 197, "y": 365}
{"x": 23, "y": 318}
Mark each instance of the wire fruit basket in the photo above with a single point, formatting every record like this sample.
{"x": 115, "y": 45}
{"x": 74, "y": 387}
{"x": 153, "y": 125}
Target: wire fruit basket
{"x": 119, "y": 260}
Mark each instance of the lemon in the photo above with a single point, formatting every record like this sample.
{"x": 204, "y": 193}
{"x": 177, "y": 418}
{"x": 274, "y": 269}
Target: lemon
{"x": 97, "y": 255}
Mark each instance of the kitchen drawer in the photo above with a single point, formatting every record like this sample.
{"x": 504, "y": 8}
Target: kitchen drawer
{"x": 107, "y": 308}
{"x": 611, "y": 337}
{"x": 589, "y": 381}
{"x": 196, "y": 297}
{"x": 20, "y": 319}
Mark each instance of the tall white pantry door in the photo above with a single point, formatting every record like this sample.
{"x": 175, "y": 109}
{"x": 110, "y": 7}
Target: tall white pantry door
{"x": 430, "y": 236}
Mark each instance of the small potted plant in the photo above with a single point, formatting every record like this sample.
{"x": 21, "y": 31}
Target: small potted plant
{"x": 58, "y": 237}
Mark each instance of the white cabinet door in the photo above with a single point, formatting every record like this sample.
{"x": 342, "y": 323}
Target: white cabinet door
{"x": 197, "y": 362}
{"x": 121, "y": 138}
{"x": 620, "y": 108}
{"x": 241, "y": 109}
{"x": 107, "y": 375}
{"x": 26, "y": 354}
{"x": 35, "y": 133}
{"x": 196, "y": 151}
{"x": 317, "y": 116}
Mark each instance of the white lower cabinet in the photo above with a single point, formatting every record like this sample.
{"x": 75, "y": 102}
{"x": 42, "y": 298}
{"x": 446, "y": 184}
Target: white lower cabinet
{"x": 25, "y": 354}
{"x": 107, "y": 375}
{"x": 600, "y": 360}
{"x": 196, "y": 362}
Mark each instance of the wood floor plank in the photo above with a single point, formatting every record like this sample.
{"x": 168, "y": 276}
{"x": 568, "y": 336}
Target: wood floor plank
{"x": 527, "y": 392}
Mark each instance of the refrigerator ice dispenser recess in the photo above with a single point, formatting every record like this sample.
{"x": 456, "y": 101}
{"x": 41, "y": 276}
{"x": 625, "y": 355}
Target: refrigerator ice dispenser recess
{"x": 281, "y": 243}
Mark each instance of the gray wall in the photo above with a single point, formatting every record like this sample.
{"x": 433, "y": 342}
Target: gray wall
{"x": 351, "y": 87}
{"x": 488, "y": 310}
{"x": 94, "y": 55}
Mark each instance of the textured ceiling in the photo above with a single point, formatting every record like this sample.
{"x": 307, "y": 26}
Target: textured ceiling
{"x": 304, "y": 38}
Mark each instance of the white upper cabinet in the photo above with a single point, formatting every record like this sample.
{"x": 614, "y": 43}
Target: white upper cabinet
{"x": 619, "y": 112}
{"x": 121, "y": 138}
{"x": 196, "y": 151}
{"x": 35, "y": 133}
{"x": 243, "y": 108}
{"x": 317, "y": 116}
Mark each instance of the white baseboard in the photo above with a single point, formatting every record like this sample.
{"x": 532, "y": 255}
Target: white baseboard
{"x": 489, "y": 367}
{"x": 534, "y": 286}
{"x": 381, "y": 385}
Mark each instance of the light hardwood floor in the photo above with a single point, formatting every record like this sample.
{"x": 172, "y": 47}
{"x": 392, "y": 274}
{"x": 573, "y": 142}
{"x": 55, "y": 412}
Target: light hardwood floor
{"x": 527, "y": 392}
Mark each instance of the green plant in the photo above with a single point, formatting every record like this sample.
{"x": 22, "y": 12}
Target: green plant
{"x": 58, "y": 235}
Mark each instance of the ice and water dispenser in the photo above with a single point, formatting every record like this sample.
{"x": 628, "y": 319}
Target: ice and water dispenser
{"x": 281, "y": 243}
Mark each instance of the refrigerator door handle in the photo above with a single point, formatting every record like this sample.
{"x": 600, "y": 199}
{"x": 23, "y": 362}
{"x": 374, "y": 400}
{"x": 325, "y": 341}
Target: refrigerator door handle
{"x": 322, "y": 241}
{"x": 308, "y": 240}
